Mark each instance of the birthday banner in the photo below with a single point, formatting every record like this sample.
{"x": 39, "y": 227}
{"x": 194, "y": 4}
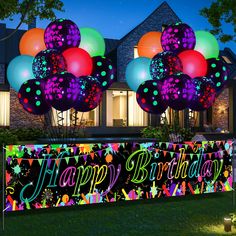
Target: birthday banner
{"x": 43, "y": 176}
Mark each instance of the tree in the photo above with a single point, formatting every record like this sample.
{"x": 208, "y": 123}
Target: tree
{"x": 221, "y": 11}
{"x": 28, "y": 10}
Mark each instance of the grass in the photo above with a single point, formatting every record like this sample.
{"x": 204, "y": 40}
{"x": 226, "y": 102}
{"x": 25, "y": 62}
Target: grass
{"x": 180, "y": 216}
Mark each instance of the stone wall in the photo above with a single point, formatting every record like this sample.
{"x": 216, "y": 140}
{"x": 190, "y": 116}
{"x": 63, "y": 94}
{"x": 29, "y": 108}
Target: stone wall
{"x": 19, "y": 118}
{"x": 220, "y": 112}
{"x": 163, "y": 15}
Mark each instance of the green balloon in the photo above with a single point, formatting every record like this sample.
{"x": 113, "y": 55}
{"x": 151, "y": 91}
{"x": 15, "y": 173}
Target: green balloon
{"x": 206, "y": 44}
{"x": 92, "y": 42}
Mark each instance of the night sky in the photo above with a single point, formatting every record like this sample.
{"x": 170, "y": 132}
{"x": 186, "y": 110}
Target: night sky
{"x": 115, "y": 18}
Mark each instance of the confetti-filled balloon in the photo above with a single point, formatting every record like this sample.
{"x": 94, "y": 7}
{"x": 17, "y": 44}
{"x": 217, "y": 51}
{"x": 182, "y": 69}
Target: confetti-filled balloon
{"x": 150, "y": 44}
{"x": 164, "y": 64}
{"x": 218, "y": 72}
{"x": 90, "y": 94}
{"x": 204, "y": 95}
{"x": 177, "y": 91}
{"x": 137, "y": 72}
{"x": 194, "y": 63}
{"x": 149, "y": 97}
{"x": 61, "y": 91}
{"x": 19, "y": 70}
{"x": 48, "y": 62}
{"x": 92, "y": 42}
{"x": 78, "y": 61}
{"x": 62, "y": 34}
{"x": 206, "y": 44}
{"x": 178, "y": 38}
{"x": 32, "y": 98}
{"x": 104, "y": 71}
{"x": 32, "y": 42}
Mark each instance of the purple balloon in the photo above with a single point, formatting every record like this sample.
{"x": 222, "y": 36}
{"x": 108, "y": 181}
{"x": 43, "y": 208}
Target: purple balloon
{"x": 104, "y": 71}
{"x": 177, "y": 91}
{"x": 61, "y": 91}
{"x": 32, "y": 98}
{"x": 90, "y": 94}
{"x": 217, "y": 71}
{"x": 205, "y": 94}
{"x": 177, "y": 38}
{"x": 62, "y": 34}
{"x": 149, "y": 97}
{"x": 48, "y": 62}
{"x": 164, "y": 64}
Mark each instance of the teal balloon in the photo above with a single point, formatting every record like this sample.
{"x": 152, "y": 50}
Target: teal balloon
{"x": 206, "y": 44}
{"x": 19, "y": 71}
{"x": 92, "y": 42}
{"x": 137, "y": 72}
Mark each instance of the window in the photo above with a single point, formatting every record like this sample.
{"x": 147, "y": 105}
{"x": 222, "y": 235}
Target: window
{"x": 4, "y": 108}
{"x": 136, "y": 52}
{"x": 227, "y": 60}
{"x": 123, "y": 110}
{"x": 86, "y": 119}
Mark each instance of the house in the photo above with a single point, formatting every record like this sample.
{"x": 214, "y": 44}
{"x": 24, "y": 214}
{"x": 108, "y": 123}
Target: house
{"x": 119, "y": 113}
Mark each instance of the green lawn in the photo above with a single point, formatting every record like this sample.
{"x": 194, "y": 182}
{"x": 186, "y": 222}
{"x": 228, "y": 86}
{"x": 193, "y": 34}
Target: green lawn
{"x": 180, "y": 216}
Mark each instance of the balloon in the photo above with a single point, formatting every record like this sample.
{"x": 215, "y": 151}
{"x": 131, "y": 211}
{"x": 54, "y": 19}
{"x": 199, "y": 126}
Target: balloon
{"x": 48, "y": 62}
{"x": 217, "y": 71}
{"x": 90, "y": 94}
{"x": 194, "y": 63}
{"x": 204, "y": 95}
{"x": 32, "y": 98}
{"x": 137, "y": 71}
{"x": 32, "y": 42}
{"x": 149, "y": 97}
{"x": 150, "y": 44}
{"x": 178, "y": 38}
{"x": 61, "y": 91}
{"x": 164, "y": 64}
{"x": 78, "y": 62}
{"x": 104, "y": 71}
{"x": 206, "y": 44}
{"x": 62, "y": 34}
{"x": 177, "y": 91}
{"x": 19, "y": 70}
{"x": 92, "y": 42}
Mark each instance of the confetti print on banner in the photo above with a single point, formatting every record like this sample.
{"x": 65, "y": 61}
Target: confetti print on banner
{"x": 46, "y": 176}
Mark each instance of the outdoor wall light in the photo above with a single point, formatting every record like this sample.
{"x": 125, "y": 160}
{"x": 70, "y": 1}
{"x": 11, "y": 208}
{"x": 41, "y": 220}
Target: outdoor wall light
{"x": 227, "y": 224}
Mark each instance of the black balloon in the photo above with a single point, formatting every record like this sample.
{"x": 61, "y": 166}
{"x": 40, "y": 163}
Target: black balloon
{"x": 149, "y": 97}
{"x": 104, "y": 71}
{"x": 164, "y": 64}
{"x": 32, "y": 98}
{"x": 48, "y": 62}
{"x": 177, "y": 91}
{"x": 205, "y": 94}
{"x": 61, "y": 91}
{"x": 90, "y": 94}
{"x": 217, "y": 71}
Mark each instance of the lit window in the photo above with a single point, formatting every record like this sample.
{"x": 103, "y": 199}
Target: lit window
{"x": 227, "y": 60}
{"x": 4, "y": 108}
{"x": 136, "y": 52}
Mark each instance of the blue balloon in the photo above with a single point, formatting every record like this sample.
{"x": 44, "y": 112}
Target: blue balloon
{"x": 137, "y": 72}
{"x": 19, "y": 71}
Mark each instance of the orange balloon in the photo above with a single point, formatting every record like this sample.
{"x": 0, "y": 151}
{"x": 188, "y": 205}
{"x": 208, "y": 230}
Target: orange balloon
{"x": 32, "y": 42}
{"x": 150, "y": 44}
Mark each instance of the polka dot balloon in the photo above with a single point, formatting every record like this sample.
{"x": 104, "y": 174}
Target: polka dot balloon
{"x": 104, "y": 71}
{"x": 61, "y": 91}
{"x": 48, "y": 62}
{"x": 218, "y": 72}
{"x": 177, "y": 91}
{"x": 62, "y": 34}
{"x": 90, "y": 94}
{"x": 31, "y": 96}
{"x": 177, "y": 38}
{"x": 205, "y": 94}
{"x": 164, "y": 64}
{"x": 149, "y": 97}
